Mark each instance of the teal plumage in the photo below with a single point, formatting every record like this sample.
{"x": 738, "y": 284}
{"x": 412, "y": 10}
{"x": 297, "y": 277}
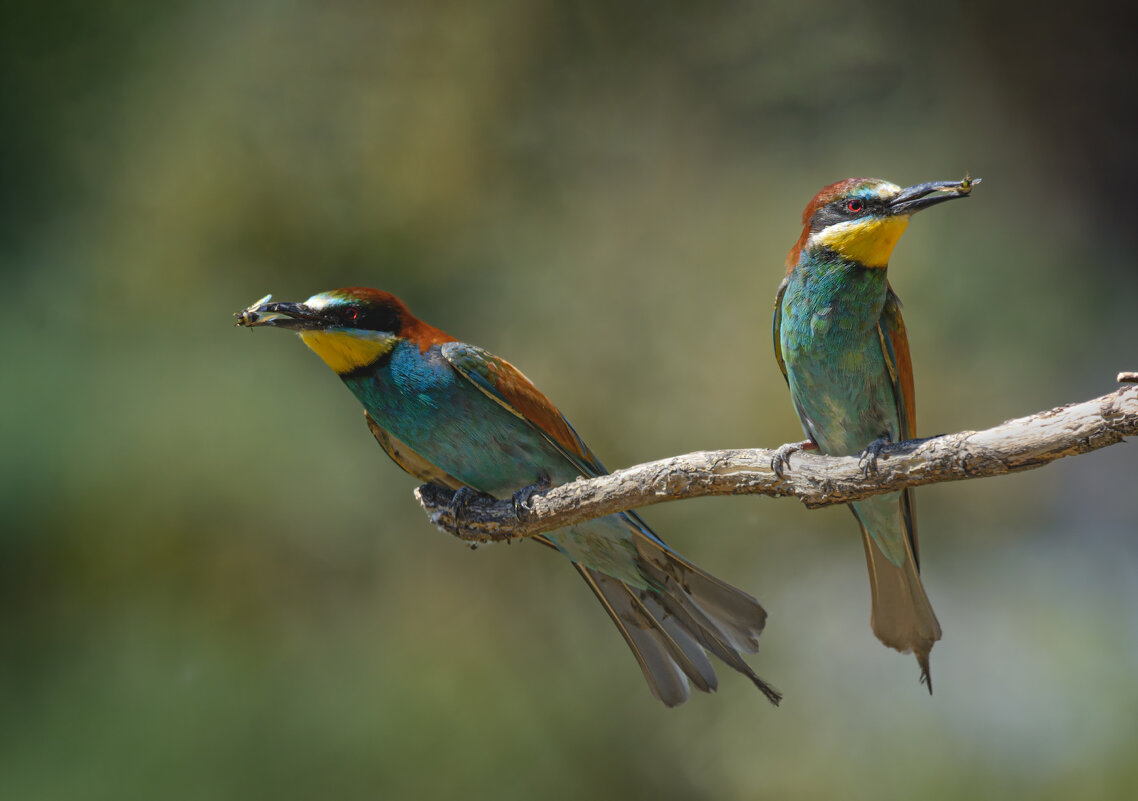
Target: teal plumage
{"x": 442, "y": 403}
{"x": 842, "y": 346}
{"x": 455, "y": 415}
{"x": 838, "y": 376}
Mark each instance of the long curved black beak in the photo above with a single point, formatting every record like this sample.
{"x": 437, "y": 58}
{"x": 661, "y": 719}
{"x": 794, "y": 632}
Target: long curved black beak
{"x": 294, "y": 316}
{"x": 922, "y": 196}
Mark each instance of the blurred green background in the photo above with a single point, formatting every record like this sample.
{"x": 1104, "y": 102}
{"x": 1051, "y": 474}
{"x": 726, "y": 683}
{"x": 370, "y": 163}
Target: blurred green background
{"x": 214, "y": 584}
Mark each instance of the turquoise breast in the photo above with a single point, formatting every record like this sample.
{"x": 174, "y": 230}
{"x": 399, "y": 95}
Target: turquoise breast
{"x": 444, "y": 418}
{"x": 835, "y": 367}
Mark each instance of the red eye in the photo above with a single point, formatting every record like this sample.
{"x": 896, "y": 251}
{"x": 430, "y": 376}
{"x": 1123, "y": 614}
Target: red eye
{"x": 855, "y": 206}
{"x": 352, "y": 314}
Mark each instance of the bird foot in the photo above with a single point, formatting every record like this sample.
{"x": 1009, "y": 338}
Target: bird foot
{"x": 780, "y": 462}
{"x": 868, "y": 460}
{"x": 522, "y": 497}
{"x": 459, "y": 503}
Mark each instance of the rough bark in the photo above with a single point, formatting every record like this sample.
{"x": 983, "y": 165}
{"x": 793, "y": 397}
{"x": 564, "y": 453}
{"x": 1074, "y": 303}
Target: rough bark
{"x": 1020, "y": 444}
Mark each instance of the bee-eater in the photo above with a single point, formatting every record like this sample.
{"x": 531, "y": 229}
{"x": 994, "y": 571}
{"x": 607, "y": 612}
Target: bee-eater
{"x": 453, "y": 414}
{"x": 841, "y": 344}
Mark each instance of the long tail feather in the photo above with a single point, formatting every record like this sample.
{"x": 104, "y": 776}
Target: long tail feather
{"x": 902, "y": 616}
{"x": 721, "y": 618}
{"x": 668, "y": 656}
{"x": 697, "y": 602}
{"x": 680, "y": 612}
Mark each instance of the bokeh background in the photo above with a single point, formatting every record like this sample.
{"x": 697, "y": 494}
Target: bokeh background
{"x": 214, "y": 585}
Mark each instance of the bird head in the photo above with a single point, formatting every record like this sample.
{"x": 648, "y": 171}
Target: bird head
{"x": 861, "y": 219}
{"x": 350, "y": 329}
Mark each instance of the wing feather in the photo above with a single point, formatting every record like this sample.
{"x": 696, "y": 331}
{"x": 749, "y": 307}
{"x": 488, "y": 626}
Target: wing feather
{"x": 410, "y": 461}
{"x": 776, "y": 328}
{"x": 505, "y": 385}
{"x": 895, "y": 347}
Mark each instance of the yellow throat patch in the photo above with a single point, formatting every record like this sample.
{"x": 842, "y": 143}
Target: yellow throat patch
{"x": 869, "y": 242}
{"x": 345, "y": 351}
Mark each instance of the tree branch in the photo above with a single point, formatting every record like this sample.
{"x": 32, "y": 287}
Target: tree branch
{"x": 816, "y": 480}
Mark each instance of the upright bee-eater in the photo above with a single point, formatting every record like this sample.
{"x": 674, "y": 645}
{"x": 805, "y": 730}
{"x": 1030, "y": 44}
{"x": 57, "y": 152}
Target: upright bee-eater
{"x": 841, "y": 344}
{"x": 452, "y": 414}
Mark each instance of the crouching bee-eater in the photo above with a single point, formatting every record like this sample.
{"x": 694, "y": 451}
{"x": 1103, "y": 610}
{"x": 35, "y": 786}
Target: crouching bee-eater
{"x": 453, "y": 414}
{"x": 841, "y": 344}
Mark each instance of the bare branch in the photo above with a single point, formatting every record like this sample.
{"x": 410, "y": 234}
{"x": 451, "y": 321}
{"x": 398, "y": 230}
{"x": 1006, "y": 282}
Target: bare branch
{"x": 1020, "y": 444}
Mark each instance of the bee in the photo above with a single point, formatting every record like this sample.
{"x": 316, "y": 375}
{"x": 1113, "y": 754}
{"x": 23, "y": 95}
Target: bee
{"x": 250, "y": 316}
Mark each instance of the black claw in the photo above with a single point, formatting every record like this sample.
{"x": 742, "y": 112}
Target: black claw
{"x": 780, "y": 462}
{"x": 459, "y": 503}
{"x": 523, "y": 496}
{"x": 868, "y": 460}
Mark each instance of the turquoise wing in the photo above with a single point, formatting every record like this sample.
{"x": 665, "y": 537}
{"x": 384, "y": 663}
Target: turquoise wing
{"x": 505, "y": 385}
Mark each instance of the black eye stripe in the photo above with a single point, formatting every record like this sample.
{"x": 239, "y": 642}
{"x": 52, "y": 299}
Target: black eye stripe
{"x": 372, "y": 318}
{"x": 839, "y": 211}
